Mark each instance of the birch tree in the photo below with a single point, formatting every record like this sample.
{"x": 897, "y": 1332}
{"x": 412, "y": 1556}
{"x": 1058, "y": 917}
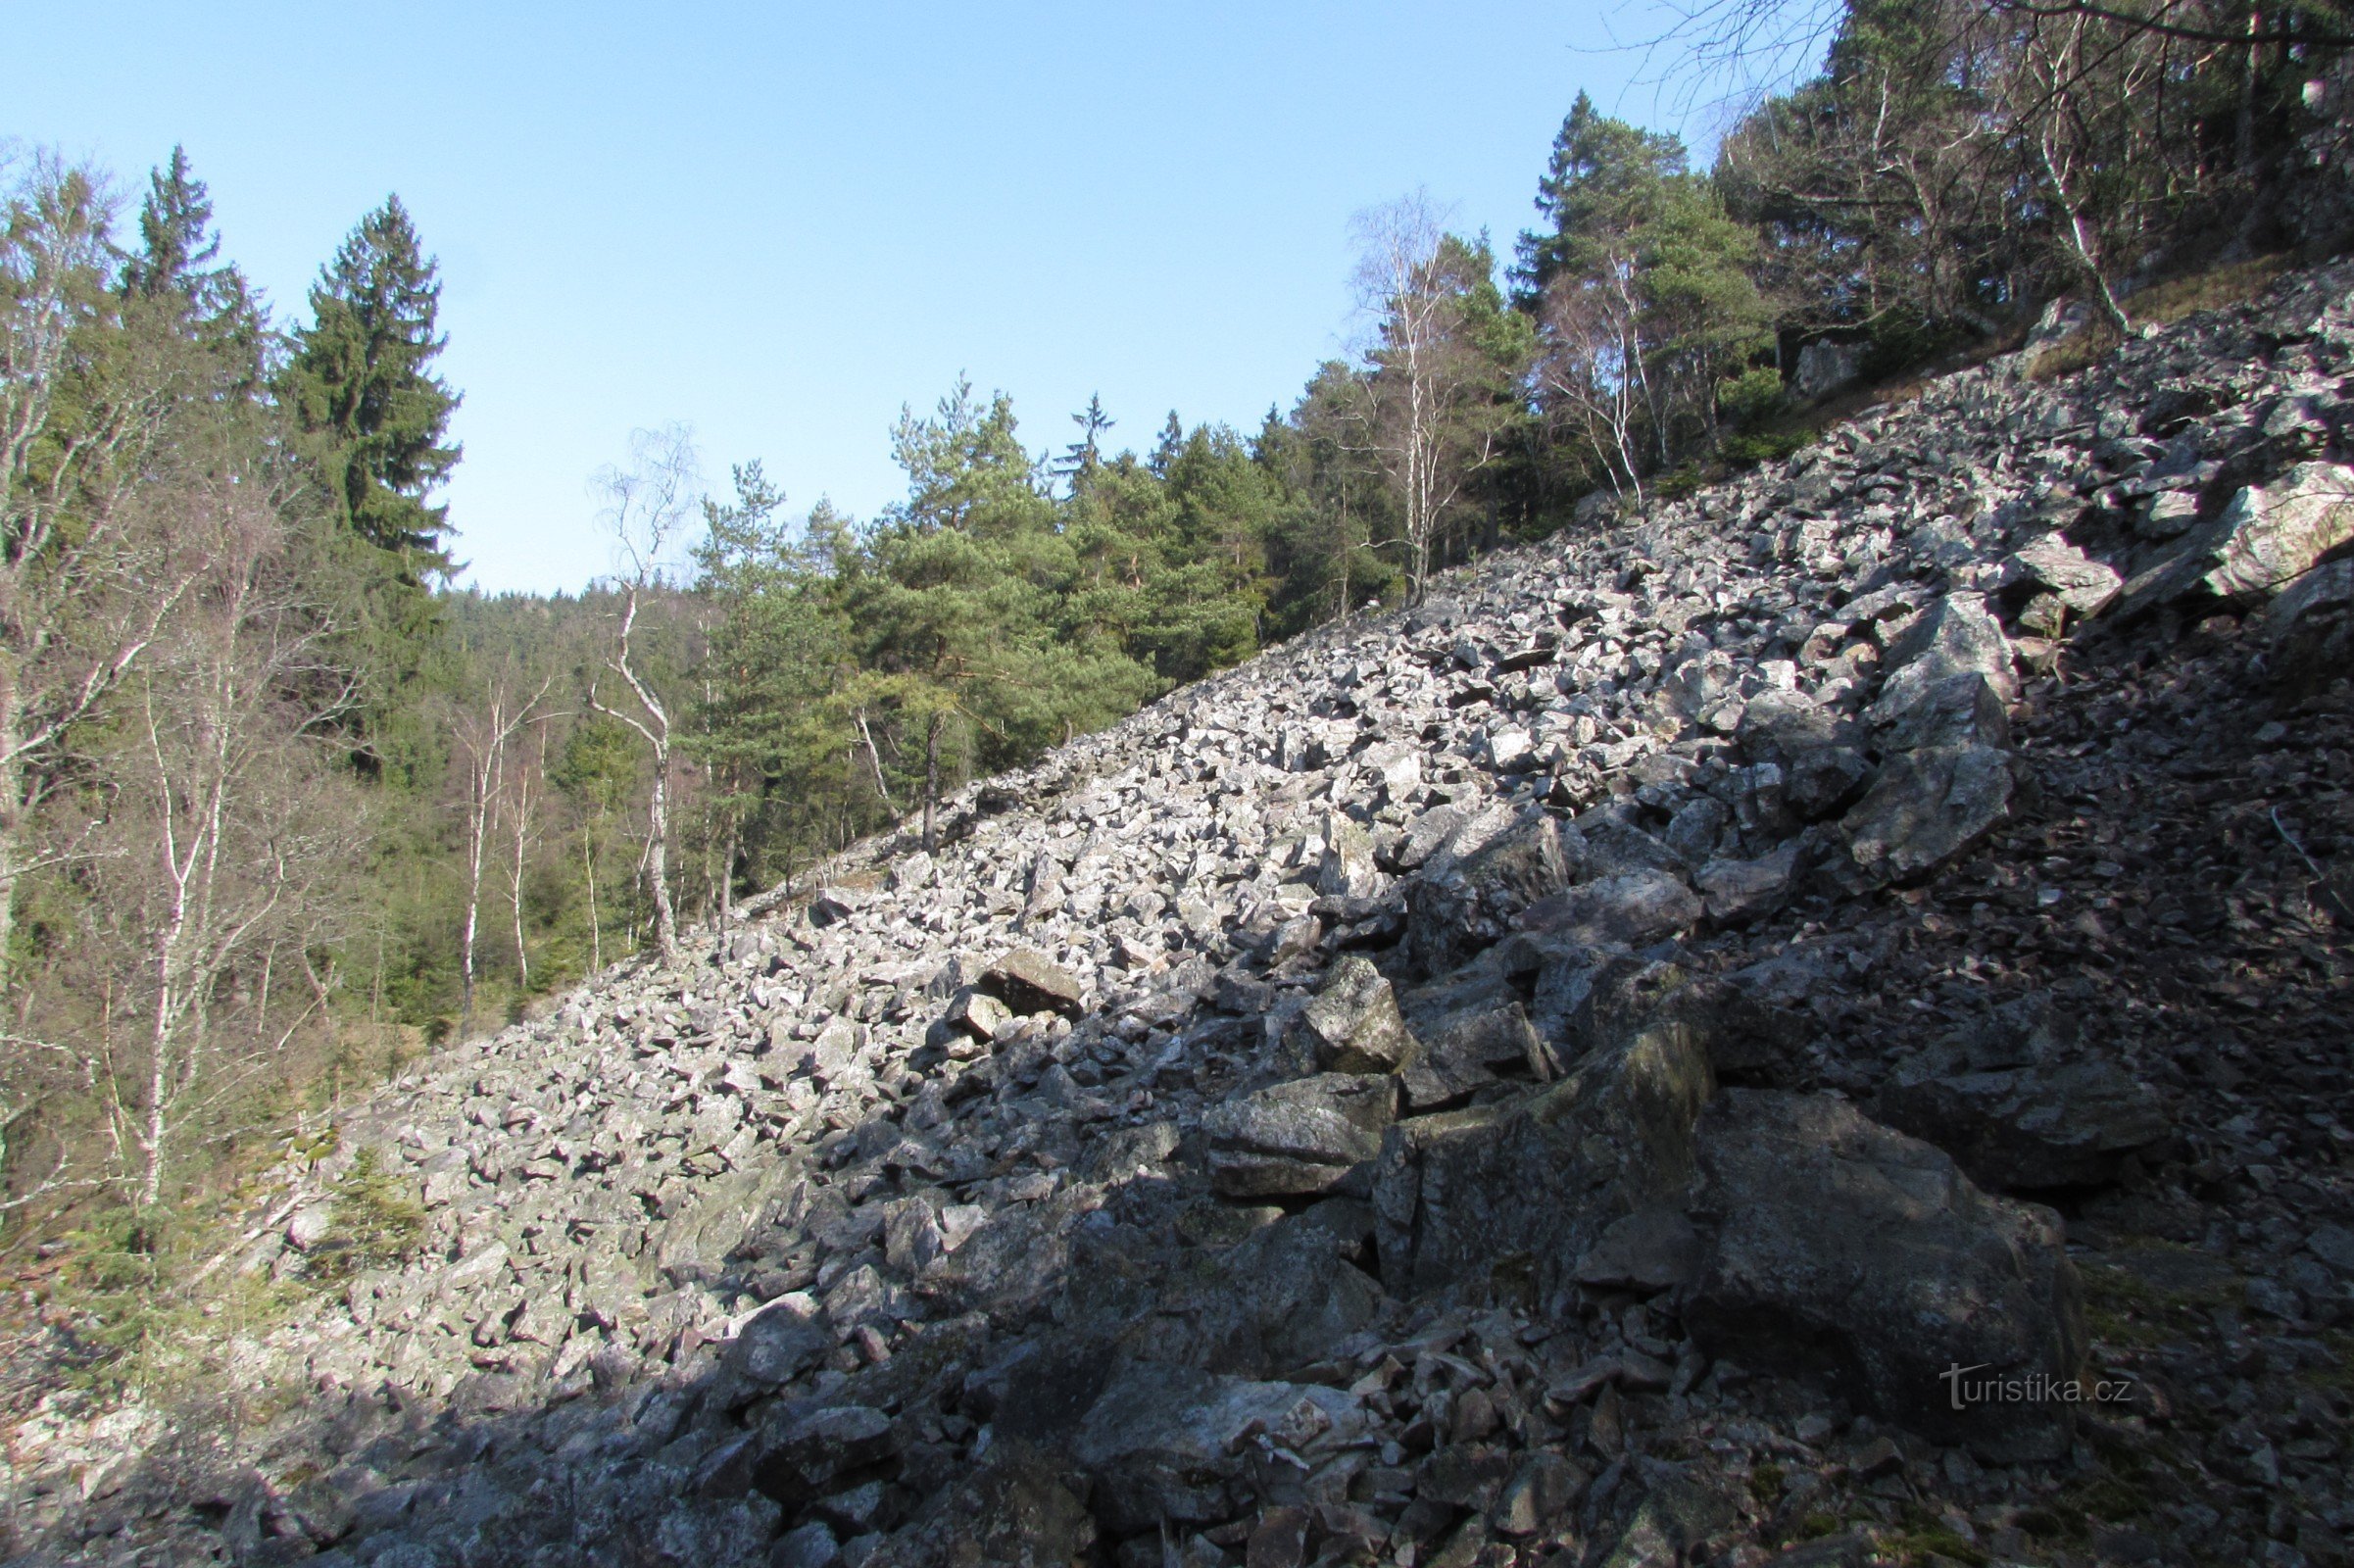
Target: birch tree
{"x": 85, "y": 577}
{"x": 228, "y": 834}
{"x": 649, "y": 507}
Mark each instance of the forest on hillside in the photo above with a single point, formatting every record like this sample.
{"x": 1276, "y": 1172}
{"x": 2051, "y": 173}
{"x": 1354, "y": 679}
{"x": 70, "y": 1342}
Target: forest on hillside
{"x": 280, "y": 809}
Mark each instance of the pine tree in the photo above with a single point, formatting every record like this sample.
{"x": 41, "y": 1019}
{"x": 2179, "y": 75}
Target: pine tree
{"x": 1606, "y": 177}
{"x": 360, "y": 384}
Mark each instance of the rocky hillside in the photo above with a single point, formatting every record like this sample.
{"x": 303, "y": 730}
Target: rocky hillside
{"x": 1810, "y": 1025}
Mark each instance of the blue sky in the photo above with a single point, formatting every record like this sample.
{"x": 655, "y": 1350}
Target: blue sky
{"x": 780, "y": 223}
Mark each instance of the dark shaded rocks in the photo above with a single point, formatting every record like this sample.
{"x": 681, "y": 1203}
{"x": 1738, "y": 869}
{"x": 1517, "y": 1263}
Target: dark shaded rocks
{"x": 1281, "y": 1297}
{"x": 1164, "y": 1442}
{"x": 1354, "y": 1023}
{"x": 1654, "y": 1249}
{"x": 1957, "y": 711}
{"x": 1927, "y": 806}
{"x": 1028, "y": 981}
{"x": 2309, "y": 628}
{"x": 2028, "y": 1129}
{"x": 1016, "y": 1510}
{"x": 1737, "y": 891}
{"x": 800, "y": 1452}
{"x": 2015, "y": 1099}
{"x": 1526, "y": 1187}
{"x": 1631, "y": 909}
{"x": 1299, "y": 1137}
{"x": 1838, "y": 1245}
{"x": 1475, "y": 1031}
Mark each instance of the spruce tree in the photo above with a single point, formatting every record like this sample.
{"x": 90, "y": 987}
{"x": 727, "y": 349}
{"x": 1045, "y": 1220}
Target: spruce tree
{"x": 173, "y": 271}
{"x": 361, "y": 385}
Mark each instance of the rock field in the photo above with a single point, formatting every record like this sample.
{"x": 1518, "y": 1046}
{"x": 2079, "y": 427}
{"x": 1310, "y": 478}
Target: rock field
{"x": 1681, "y": 1048}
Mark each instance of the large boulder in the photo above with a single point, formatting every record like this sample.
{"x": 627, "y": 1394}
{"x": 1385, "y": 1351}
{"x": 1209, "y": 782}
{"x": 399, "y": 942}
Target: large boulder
{"x": 1955, "y": 636}
{"x": 2266, "y": 538}
{"x": 2309, "y": 628}
{"x": 1924, "y": 807}
{"x": 1836, "y": 1247}
{"x": 1298, "y": 1138}
{"x": 1457, "y": 906}
{"x": 1353, "y": 1023}
{"x": 1957, "y": 711}
{"x": 1475, "y": 1031}
{"x": 1170, "y": 1445}
{"x": 1631, "y": 909}
{"x": 1468, "y": 1199}
{"x": 1739, "y": 891}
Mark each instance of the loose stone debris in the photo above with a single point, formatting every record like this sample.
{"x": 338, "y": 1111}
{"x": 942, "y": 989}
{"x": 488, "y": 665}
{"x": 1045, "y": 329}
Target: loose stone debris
{"x": 1806, "y": 1025}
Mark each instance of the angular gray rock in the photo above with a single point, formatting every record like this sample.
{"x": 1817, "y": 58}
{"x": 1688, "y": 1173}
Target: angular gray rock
{"x": 1528, "y": 1186}
{"x": 1631, "y": 909}
{"x": 1354, "y": 1022}
{"x": 1028, "y": 981}
{"x": 2267, "y": 537}
{"x": 1300, "y": 1137}
{"x": 1927, "y": 806}
{"x": 1835, "y": 1244}
{"x": 2309, "y": 628}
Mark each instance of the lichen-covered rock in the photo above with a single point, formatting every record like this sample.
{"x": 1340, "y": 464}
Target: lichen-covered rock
{"x": 1838, "y": 1245}
{"x": 1300, "y": 1137}
{"x": 1927, "y": 806}
{"x": 1354, "y": 1024}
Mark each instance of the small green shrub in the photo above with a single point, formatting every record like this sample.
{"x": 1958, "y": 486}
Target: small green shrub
{"x": 1765, "y": 446}
{"x": 1752, "y": 397}
{"x": 373, "y": 1224}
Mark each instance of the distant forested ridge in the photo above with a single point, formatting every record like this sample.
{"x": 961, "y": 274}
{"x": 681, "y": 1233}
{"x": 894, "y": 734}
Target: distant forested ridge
{"x": 279, "y": 808}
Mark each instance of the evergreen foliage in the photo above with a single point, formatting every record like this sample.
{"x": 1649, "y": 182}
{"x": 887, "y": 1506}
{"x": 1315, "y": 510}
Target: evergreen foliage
{"x": 360, "y": 384}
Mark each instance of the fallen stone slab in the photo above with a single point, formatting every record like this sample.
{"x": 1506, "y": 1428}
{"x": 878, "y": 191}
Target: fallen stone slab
{"x": 1631, "y": 909}
{"x": 1924, "y": 807}
{"x": 1836, "y": 1247}
{"x": 1354, "y": 1024}
{"x": 1298, "y": 1138}
{"x": 1028, "y": 981}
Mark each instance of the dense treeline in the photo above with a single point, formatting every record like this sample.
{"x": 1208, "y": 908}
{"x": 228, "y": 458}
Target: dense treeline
{"x": 277, "y": 808}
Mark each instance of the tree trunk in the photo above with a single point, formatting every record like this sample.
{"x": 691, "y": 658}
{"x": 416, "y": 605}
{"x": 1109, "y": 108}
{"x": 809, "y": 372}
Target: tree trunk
{"x": 11, "y": 798}
{"x": 658, "y": 857}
